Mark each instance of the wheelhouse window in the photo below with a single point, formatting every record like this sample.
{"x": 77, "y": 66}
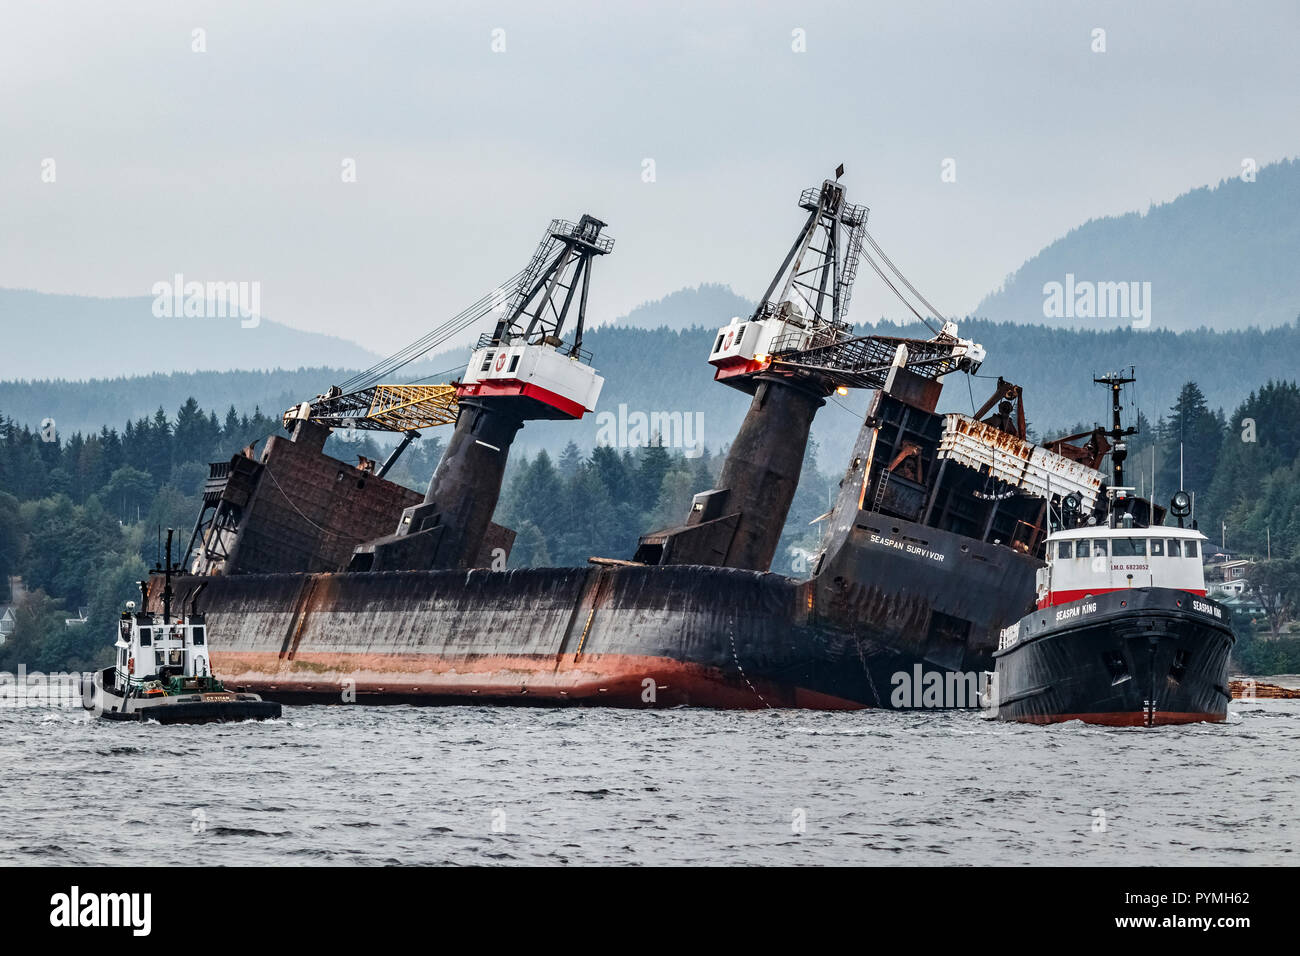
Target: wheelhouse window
{"x": 1157, "y": 547}
{"x": 1189, "y": 549}
{"x": 198, "y": 636}
{"x": 1098, "y": 548}
{"x": 1172, "y": 544}
{"x": 1130, "y": 547}
{"x": 1065, "y": 549}
{"x": 146, "y": 636}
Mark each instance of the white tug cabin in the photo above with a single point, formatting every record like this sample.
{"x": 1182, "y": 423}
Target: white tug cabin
{"x": 151, "y": 650}
{"x": 1083, "y": 562}
{"x": 561, "y": 386}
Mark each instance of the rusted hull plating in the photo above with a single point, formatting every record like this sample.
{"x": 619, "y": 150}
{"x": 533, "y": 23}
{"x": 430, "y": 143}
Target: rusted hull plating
{"x": 622, "y": 636}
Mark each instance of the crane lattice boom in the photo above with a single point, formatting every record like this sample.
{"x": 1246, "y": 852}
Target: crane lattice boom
{"x": 390, "y": 408}
{"x": 864, "y": 361}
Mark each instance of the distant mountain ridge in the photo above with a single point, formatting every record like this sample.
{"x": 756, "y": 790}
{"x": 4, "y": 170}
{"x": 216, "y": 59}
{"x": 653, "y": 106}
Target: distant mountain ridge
{"x": 48, "y": 336}
{"x": 1222, "y": 258}
{"x": 708, "y": 305}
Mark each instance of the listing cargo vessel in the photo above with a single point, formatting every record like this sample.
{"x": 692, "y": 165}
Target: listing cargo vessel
{"x": 324, "y": 581}
{"x": 1123, "y": 633}
{"x": 162, "y": 671}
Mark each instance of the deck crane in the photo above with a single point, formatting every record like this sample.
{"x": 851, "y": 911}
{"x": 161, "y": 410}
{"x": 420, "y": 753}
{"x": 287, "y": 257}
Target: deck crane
{"x": 530, "y": 366}
{"x": 794, "y": 351}
{"x": 406, "y": 409}
{"x": 362, "y": 403}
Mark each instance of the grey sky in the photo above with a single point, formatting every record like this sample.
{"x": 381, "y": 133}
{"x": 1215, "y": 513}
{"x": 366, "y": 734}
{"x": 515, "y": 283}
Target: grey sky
{"x": 226, "y": 165}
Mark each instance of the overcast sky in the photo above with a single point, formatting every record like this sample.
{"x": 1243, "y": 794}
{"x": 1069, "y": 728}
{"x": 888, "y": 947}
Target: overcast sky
{"x": 226, "y": 164}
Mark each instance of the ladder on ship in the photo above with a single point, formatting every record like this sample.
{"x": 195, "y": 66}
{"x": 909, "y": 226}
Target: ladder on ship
{"x": 881, "y": 484}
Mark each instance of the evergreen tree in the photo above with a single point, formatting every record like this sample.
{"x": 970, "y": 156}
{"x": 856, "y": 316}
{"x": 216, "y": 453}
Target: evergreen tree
{"x": 569, "y": 461}
{"x": 1196, "y": 431}
{"x": 530, "y": 549}
{"x": 653, "y": 465}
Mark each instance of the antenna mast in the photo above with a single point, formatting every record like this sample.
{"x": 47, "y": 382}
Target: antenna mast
{"x": 1116, "y": 381}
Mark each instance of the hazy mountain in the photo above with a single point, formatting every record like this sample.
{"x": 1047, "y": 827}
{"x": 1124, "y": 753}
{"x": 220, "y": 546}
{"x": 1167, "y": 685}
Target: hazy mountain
{"x": 79, "y": 337}
{"x": 1223, "y": 258}
{"x": 709, "y": 305}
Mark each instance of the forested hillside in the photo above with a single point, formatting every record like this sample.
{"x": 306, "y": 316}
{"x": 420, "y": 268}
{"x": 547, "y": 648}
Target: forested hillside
{"x": 1221, "y": 257}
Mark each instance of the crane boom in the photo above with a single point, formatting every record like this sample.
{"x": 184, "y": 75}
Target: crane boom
{"x": 390, "y": 408}
{"x": 864, "y": 361}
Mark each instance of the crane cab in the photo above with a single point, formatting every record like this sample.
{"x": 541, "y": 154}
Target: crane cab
{"x": 548, "y": 383}
{"x": 745, "y": 346}
{"x": 1083, "y": 562}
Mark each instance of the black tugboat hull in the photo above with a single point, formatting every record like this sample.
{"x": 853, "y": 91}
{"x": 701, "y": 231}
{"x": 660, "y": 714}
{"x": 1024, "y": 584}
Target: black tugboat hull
{"x": 1142, "y": 657}
{"x": 99, "y": 696}
{"x": 202, "y": 713}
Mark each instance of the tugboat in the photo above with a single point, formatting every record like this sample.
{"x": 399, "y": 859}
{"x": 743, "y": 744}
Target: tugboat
{"x": 1122, "y": 634}
{"x": 162, "y": 671}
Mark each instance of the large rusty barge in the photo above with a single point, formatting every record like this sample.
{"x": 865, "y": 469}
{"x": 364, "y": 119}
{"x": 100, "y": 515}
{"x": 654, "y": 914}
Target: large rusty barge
{"x": 930, "y": 549}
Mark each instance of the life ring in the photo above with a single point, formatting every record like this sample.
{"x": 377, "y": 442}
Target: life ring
{"x": 501, "y": 361}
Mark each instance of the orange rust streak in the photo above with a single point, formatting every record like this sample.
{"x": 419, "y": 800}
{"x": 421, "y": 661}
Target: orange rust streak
{"x": 612, "y": 678}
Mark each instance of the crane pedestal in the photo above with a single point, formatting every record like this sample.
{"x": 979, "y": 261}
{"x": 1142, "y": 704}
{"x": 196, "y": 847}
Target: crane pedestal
{"x": 448, "y": 529}
{"x": 739, "y": 523}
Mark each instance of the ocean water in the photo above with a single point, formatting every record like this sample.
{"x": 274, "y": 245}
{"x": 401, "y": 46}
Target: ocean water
{"x": 463, "y": 785}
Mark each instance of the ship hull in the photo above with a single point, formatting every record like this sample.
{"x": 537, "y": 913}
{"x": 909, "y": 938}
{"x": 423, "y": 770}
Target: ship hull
{"x": 626, "y": 636}
{"x": 1141, "y": 657}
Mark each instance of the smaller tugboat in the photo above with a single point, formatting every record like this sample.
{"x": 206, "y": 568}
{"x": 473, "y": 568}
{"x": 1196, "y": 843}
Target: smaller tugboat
{"x": 162, "y": 670}
{"x": 1123, "y": 633}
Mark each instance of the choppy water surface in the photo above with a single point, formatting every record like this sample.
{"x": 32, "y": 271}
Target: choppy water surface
{"x": 491, "y": 786}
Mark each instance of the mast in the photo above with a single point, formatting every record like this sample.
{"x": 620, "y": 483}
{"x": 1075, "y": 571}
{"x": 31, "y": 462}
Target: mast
{"x": 166, "y": 571}
{"x": 1116, "y": 381}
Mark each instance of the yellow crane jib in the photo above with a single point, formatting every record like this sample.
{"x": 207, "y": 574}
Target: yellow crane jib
{"x": 391, "y": 408}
